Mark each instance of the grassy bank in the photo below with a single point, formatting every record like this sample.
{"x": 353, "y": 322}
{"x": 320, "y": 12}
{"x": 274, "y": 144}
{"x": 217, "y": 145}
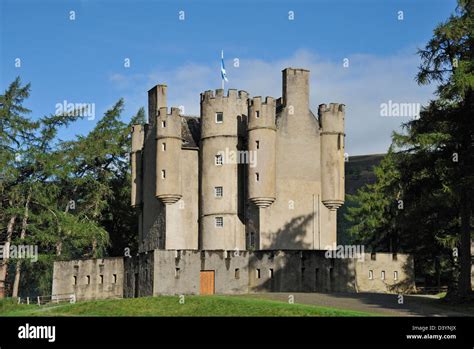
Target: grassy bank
{"x": 170, "y": 306}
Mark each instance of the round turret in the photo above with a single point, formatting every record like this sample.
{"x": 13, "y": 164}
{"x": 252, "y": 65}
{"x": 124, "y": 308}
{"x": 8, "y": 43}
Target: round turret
{"x": 168, "y": 150}
{"x": 222, "y": 120}
{"x": 261, "y": 142}
{"x": 332, "y": 154}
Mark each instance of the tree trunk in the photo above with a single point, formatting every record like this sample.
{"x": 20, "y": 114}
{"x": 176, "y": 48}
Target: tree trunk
{"x": 6, "y": 256}
{"x": 24, "y": 223}
{"x": 464, "y": 284}
{"x": 59, "y": 248}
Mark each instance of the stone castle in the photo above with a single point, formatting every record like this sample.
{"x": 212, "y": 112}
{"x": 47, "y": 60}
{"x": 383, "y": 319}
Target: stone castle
{"x": 242, "y": 199}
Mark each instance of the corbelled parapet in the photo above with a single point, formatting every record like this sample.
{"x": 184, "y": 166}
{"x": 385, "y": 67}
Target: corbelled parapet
{"x": 168, "y": 159}
{"x": 331, "y": 120}
{"x": 262, "y": 142}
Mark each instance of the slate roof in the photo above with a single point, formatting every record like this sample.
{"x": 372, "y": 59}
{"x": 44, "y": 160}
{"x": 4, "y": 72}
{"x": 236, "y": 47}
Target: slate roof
{"x": 190, "y": 131}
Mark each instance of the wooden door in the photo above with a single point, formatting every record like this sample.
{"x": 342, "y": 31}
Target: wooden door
{"x": 207, "y": 282}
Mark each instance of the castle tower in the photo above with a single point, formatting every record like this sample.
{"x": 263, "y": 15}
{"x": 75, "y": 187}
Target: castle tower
{"x": 168, "y": 159}
{"x": 221, "y": 193}
{"x": 332, "y": 154}
{"x": 261, "y": 141}
{"x": 138, "y": 136}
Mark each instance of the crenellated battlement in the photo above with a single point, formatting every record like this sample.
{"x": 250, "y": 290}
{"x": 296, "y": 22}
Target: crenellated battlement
{"x": 174, "y": 112}
{"x": 331, "y": 118}
{"x": 262, "y": 113}
{"x": 232, "y": 94}
{"x": 256, "y": 101}
{"x": 168, "y": 123}
{"x": 332, "y": 108}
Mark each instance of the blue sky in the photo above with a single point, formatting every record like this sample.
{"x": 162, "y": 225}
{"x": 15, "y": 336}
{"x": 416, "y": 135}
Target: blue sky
{"x": 82, "y": 61}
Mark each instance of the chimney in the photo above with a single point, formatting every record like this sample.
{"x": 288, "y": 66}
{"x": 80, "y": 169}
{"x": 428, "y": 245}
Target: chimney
{"x": 156, "y": 100}
{"x": 296, "y": 88}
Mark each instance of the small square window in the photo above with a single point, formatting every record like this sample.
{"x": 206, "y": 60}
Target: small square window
{"x": 163, "y": 174}
{"x": 257, "y": 273}
{"x": 219, "y": 222}
{"x": 394, "y": 257}
{"x": 218, "y": 192}
{"x": 219, "y": 117}
{"x": 237, "y": 273}
{"x": 163, "y": 146}
{"x": 163, "y": 124}
{"x": 382, "y": 275}
{"x": 373, "y": 256}
{"x": 371, "y": 274}
{"x": 218, "y": 160}
{"x": 395, "y": 275}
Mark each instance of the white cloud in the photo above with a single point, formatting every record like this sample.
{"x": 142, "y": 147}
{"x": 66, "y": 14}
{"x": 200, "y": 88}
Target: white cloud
{"x": 363, "y": 86}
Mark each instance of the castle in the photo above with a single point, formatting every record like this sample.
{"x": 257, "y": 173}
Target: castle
{"x": 242, "y": 199}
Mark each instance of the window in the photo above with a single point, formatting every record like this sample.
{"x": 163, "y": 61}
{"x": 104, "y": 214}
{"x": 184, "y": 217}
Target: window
{"x": 257, "y": 114}
{"x": 163, "y": 124}
{"x": 218, "y": 160}
{"x": 218, "y": 192}
{"x": 257, "y": 273}
{"x": 101, "y": 279}
{"x": 163, "y": 174}
{"x": 88, "y": 278}
{"x": 163, "y": 146}
{"x": 219, "y": 222}
{"x": 373, "y": 256}
{"x": 252, "y": 240}
{"x": 74, "y": 281}
{"x": 257, "y": 176}
{"x": 395, "y": 275}
{"x": 394, "y": 257}
{"x": 176, "y": 273}
{"x": 270, "y": 273}
{"x": 257, "y": 144}
{"x": 382, "y": 275}
{"x": 237, "y": 273}
{"x": 371, "y": 274}
{"x": 114, "y": 278}
{"x": 219, "y": 117}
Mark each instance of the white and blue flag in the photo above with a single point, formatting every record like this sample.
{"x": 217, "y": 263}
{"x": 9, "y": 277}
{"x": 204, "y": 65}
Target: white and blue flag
{"x": 223, "y": 73}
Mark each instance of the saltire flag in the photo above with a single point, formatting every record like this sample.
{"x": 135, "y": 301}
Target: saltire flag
{"x": 223, "y": 73}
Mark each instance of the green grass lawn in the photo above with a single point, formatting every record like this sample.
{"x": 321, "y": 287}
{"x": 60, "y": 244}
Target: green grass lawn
{"x": 170, "y": 306}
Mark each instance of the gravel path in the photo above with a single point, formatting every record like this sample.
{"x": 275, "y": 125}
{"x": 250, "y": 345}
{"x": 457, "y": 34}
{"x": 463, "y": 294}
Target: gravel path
{"x": 383, "y": 304}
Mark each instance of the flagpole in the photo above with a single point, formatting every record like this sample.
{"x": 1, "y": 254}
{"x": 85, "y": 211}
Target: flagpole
{"x": 222, "y": 58}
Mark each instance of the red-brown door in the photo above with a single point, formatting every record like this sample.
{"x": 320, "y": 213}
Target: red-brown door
{"x": 207, "y": 282}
